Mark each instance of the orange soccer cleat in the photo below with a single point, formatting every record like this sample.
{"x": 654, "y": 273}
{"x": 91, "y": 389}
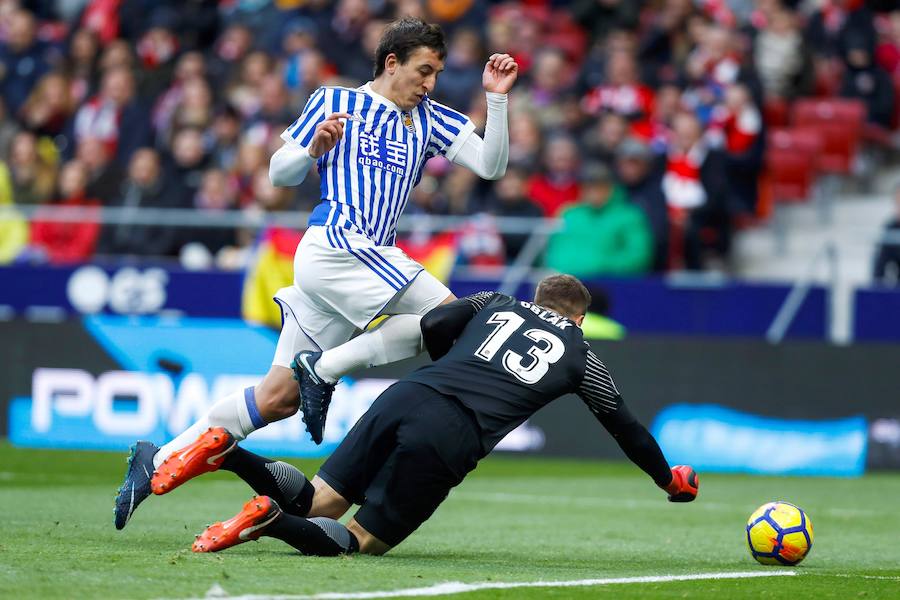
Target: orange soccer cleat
{"x": 204, "y": 455}
{"x": 245, "y": 526}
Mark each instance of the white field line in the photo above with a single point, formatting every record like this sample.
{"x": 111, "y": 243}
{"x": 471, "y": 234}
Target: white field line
{"x": 852, "y": 576}
{"x": 538, "y": 499}
{"x": 456, "y": 587}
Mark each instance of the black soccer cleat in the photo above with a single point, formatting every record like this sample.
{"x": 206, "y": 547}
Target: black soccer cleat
{"x": 315, "y": 393}
{"x": 136, "y": 486}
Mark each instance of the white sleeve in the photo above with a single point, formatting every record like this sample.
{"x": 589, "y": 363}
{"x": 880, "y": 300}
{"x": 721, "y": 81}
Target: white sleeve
{"x": 289, "y": 165}
{"x": 488, "y": 157}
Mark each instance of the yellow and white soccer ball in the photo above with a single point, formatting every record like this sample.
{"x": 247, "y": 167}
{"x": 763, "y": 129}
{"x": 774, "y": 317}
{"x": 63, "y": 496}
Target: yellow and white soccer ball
{"x": 779, "y": 533}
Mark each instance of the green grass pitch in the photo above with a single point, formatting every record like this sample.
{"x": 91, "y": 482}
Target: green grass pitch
{"x": 513, "y": 520}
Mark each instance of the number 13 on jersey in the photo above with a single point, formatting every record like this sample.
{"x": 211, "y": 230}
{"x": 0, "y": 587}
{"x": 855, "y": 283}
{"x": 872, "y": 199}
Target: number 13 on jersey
{"x": 547, "y": 350}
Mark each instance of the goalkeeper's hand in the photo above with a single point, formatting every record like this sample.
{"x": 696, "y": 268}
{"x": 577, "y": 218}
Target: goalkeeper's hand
{"x": 685, "y": 484}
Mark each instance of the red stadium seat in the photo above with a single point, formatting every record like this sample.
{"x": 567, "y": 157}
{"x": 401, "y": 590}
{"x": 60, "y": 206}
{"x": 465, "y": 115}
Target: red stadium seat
{"x": 840, "y": 123}
{"x": 792, "y": 159}
{"x": 776, "y": 112}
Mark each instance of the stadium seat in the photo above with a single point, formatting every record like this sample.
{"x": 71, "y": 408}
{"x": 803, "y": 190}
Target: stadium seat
{"x": 792, "y": 160}
{"x": 828, "y": 78}
{"x": 840, "y": 122}
{"x": 776, "y": 112}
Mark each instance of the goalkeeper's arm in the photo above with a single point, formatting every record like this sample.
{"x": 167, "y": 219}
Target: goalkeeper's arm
{"x": 599, "y": 392}
{"x": 442, "y": 325}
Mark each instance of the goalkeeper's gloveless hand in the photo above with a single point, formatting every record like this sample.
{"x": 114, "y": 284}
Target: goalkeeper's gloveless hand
{"x": 684, "y": 486}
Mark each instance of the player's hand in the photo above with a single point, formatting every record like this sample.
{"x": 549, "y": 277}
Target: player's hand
{"x": 500, "y": 73}
{"x": 685, "y": 484}
{"x": 327, "y": 134}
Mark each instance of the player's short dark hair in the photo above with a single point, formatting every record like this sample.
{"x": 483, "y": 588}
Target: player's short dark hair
{"x": 564, "y": 294}
{"x": 403, "y": 37}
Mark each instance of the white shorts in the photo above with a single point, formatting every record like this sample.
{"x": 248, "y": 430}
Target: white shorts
{"x": 342, "y": 281}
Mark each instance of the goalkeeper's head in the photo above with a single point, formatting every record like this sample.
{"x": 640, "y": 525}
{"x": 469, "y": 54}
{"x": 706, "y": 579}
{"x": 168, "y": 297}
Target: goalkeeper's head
{"x": 565, "y": 295}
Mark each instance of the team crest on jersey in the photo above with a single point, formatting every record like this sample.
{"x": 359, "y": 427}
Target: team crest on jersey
{"x": 408, "y": 122}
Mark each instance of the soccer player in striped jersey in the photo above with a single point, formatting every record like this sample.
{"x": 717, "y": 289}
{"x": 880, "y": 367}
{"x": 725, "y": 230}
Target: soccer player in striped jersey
{"x": 369, "y": 145}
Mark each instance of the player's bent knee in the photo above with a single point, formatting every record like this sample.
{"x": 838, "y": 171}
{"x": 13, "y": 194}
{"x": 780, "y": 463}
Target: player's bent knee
{"x": 368, "y": 543}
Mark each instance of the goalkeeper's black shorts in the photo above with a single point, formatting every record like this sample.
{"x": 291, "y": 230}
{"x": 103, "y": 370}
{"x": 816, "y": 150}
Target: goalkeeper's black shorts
{"x": 402, "y": 458}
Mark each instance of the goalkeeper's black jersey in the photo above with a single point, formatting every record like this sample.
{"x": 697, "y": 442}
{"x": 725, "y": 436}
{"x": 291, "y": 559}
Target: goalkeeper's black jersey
{"x": 511, "y": 359}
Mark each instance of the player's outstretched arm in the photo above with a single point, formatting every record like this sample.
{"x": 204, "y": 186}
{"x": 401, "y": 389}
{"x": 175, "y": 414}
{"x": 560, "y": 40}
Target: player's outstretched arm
{"x": 291, "y": 162}
{"x": 599, "y": 392}
{"x": 488, "y": 157}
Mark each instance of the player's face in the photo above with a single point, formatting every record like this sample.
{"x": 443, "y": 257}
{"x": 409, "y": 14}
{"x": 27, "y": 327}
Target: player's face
{"x": 416, "y": 77}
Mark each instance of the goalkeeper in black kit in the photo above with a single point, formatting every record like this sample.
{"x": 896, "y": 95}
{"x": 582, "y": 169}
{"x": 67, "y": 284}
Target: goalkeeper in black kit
{"x": 497, "y": 361}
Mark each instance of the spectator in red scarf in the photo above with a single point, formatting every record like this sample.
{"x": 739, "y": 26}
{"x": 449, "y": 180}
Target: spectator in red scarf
{"x": 696, "y": 189}
{"x": 622, "y": 92}
{"x": 737, "y": 129}
{"x": 67, "y": 242}
{"x": 102, "y": 117}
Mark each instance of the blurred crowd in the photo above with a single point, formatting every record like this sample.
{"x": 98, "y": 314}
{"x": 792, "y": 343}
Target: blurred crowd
{"x": 640, "y": 124}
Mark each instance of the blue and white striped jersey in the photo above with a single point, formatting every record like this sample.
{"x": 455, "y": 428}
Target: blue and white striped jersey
{"x": 368, "y": 176}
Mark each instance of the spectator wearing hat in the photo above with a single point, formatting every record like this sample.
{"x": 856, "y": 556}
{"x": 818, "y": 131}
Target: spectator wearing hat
{"x": 604, "y": 234}
{"x": 640, "y": 171}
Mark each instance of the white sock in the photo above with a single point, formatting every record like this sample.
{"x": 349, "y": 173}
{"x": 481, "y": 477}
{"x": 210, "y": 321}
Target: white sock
{"x": 236, "y": 412}
{"x": 397, "y": 338}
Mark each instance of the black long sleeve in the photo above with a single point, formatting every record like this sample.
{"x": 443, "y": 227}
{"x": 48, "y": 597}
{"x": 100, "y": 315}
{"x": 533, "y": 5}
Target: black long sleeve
{"x": 599, "y": 392}
{"x": 442, "y": 325}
